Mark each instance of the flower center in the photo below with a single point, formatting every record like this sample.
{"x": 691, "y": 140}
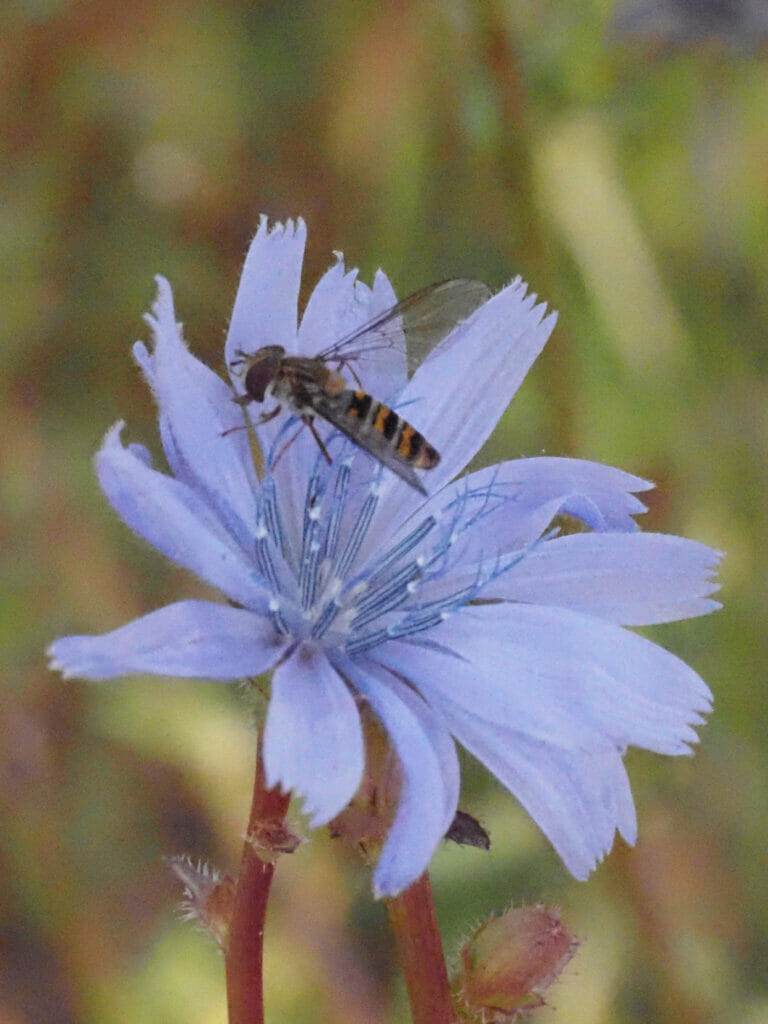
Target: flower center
{"x": 411, "y": 583}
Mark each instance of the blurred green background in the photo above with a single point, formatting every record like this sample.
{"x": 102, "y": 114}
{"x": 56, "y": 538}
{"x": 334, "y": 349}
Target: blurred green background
{"x": 618, "y": 160}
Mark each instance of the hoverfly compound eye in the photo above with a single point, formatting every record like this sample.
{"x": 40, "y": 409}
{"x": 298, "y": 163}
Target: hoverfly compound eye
{"x": 264, "y": 366}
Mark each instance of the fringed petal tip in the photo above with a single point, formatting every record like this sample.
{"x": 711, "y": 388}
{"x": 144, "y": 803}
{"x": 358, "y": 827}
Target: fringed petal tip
{"x": 279, "y": 229}
{"x": 70, "y": 659}
{"x": 164, "y": 293}
{"x": 385, "y": 889}
{"x": 55, "y": 664}
{"x": 143, "y": 359}
{"x": 162, "y": 313}
{"x": 112, "y": 437}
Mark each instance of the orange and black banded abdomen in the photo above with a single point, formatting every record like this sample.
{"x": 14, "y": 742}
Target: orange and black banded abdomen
{"x": 372, "y": 418}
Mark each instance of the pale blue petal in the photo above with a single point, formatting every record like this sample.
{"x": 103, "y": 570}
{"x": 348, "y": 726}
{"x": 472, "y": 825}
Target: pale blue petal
{"x": 507, "y": 506}
{"x": 175, "y": 520}
{"x": 580, "y": 485}
{"x": 577, "y": 792}
{"x": 313, "y": 741}
{"x": 385, "y": 369}
{"x": 197, "y": 421}
{"x": 479, "y": 672}
{"x": 265, "y": 311}
{"x": 380, "y": 368}
{"x": 332, "y": 311}
{"x": 191, "y": 638}
{"x": 430, "y": 782}
{"x": 510, "y": 505}
{"x": 608, "y": 679}
{"x": 339, "y": 305}
{"x": 458, "y": 395}
{"x": 577, "y": 798}
{"x": 633, "y": 579}
{"x": 504, "y": 509}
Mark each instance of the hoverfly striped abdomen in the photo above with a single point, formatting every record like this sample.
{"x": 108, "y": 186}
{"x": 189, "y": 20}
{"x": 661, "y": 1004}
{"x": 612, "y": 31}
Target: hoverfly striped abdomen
{"x": 402, "y": 441}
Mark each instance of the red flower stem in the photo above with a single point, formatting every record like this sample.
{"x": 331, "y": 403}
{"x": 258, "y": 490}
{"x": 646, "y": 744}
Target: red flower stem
{"x": 414, "y": 923}
{"x": 245, "y": 983}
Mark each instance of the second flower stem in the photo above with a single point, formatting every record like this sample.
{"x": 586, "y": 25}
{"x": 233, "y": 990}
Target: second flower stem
{"x": 414, "y": 923}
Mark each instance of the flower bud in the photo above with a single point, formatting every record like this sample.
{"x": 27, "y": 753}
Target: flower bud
{"x": 511, "y": 961}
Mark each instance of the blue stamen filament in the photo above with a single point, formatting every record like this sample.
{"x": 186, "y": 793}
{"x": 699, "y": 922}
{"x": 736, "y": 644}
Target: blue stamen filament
{"x": 385, "y": 598}
{"x": 311, "y": 546}
{"x": 338, "y": 505}
{"x": 264, "y": 560}
{"x": 326, "y": 617}
{"x": 425, "y": 615}
{"x": 276, "y": 616}
{"x": 271, "y": 513}
{"x": 359, "y": 531}
{"x": 404, "y": 547}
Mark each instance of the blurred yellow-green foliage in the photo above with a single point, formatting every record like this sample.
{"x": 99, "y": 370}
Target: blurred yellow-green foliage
{"x": 624, "y": 174}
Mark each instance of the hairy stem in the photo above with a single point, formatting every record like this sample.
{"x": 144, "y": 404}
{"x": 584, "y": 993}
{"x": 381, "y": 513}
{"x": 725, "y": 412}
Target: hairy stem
{"x": 245, "y": 983}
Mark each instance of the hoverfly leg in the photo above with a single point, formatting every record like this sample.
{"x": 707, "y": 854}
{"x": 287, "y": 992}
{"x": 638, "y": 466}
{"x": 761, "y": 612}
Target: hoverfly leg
{"x": 287, "y": 444}
{"x": 320, "y": 443}
{"x": 306, "y": 421}
{"x": 357, "y": 379}
{"x": 267, "y": 416}
{"x": 264, "y": 418}
{"x": 231, "y": 430}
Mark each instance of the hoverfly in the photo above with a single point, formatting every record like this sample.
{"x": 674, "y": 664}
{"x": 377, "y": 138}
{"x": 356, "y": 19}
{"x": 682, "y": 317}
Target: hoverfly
{"x": 313, "y": 386}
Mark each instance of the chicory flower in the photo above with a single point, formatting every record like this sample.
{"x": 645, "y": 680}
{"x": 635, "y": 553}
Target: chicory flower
{"x": 464, "y": 615}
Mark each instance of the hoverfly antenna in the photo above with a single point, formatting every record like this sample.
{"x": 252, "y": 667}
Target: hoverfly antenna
{"x": 235, "y": 364}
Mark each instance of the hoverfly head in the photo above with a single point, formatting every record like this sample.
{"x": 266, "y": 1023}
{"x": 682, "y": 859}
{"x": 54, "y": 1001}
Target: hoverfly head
{"x": 262, "y": 368}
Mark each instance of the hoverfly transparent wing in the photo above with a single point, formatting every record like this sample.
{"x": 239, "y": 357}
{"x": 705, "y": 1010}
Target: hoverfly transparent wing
{"x": 424, "y": 318}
